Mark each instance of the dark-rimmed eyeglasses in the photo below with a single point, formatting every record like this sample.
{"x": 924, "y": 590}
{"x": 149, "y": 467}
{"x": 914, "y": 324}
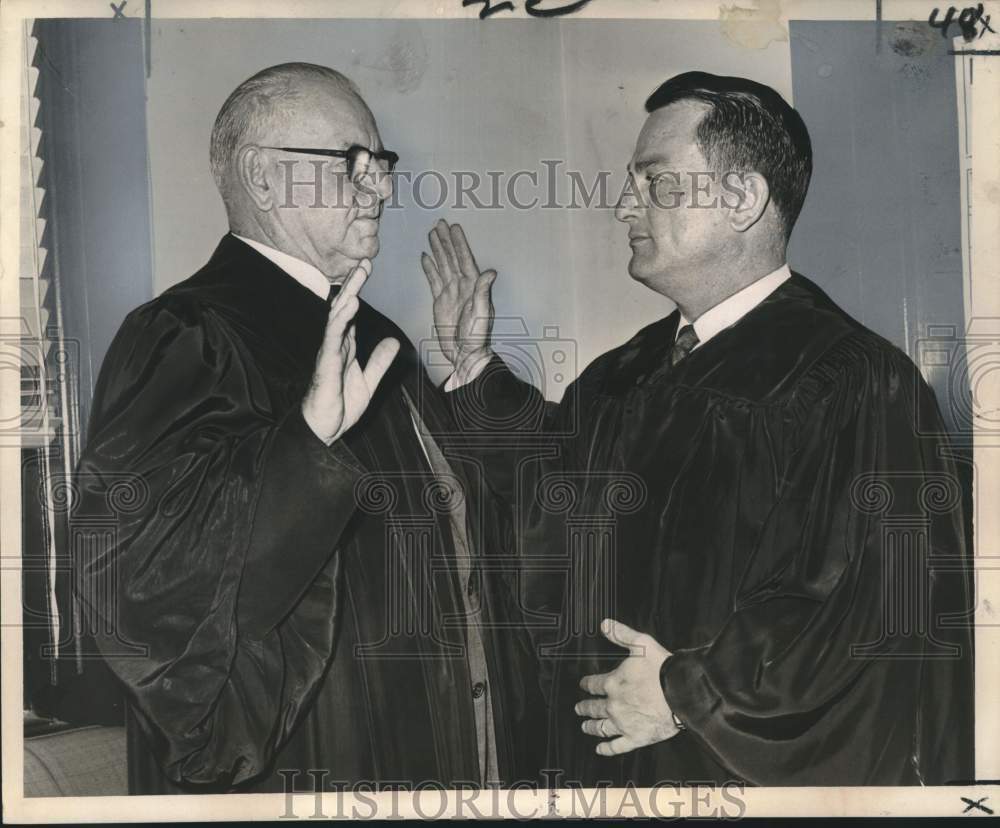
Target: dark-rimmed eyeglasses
{"x": 358, "y": 157}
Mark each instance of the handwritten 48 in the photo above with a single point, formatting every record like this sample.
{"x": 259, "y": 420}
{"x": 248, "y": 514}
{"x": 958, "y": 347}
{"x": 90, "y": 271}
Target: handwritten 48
{"x": 969, "y": 21}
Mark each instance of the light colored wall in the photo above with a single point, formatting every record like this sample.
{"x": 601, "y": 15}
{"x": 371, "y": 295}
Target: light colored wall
{"x": 449, "y": 95}
{"x": 881, "y": 230}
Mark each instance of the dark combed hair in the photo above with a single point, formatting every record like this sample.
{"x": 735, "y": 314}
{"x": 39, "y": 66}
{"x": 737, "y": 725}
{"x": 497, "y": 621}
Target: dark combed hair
{"x": 748, "y": 128}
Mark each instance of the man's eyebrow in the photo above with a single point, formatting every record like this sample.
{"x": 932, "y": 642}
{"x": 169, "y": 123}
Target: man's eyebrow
{"x": 639, "y": 166}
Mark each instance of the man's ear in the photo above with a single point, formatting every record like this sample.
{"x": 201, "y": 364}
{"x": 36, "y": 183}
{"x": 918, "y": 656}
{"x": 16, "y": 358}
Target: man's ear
{"x": 747, "y": 196}
{"x": 252, "y": 175}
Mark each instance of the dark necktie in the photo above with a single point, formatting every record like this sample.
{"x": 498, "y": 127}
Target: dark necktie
{"x": 684, "y": 344}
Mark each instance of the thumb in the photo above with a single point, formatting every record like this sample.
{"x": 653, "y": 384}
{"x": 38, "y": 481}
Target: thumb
{"x": 621, "y": 634}
{"x": 485, "y": 282}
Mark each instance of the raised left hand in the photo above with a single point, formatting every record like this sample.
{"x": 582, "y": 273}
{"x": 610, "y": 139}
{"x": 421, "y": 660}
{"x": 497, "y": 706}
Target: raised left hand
{"x": 634, "y": 712}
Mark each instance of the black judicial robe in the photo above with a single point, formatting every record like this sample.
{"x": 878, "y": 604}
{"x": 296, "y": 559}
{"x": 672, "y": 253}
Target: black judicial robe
{"x": 270, "y": 603}
{"x": 781, "y": 513}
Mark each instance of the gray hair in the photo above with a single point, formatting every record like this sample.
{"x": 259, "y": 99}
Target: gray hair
{"x": 258, "y": 102}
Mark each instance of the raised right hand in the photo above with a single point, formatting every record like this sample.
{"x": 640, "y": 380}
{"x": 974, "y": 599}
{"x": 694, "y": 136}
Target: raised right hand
{"x": 463, "y": 306}
{"x": 341, "y": 390}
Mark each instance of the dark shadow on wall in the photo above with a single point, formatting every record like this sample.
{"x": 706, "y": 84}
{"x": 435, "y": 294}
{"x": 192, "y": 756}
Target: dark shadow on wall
{"x": 93, "y": 167}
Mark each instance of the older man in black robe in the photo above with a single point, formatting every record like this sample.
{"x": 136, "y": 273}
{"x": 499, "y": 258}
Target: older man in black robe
{"x": 784, "y": 558}
{"x": 298, "y": 568}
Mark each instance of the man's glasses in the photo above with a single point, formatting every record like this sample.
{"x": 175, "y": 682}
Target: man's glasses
{"x": 358, "y": 158}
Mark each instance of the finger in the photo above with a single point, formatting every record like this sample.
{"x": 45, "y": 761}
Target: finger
{"x": 595, "y": 685}
{"x": 353, "y": 284}
{"x": 623, "y": 744}
{"x": 466, "y": 261}
{"x": 485, "y": 283}
{"x": 336, "y": 324}
{"x": 379, "y": 362}
{"x": 592, "y": 708}
{"x": 604, "y": 728}
{"x": 431, "y": 272}
{"x": 350, "y": 346}
{"x": 365, "y": 268}
{"x": 441, "y": 259}
{"x": 482, "y": 300}
{"x": 444, "y": 235}
{"x": 622, "y": 635}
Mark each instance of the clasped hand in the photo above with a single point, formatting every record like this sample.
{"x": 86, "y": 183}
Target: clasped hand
{"x": 632, "y": 711}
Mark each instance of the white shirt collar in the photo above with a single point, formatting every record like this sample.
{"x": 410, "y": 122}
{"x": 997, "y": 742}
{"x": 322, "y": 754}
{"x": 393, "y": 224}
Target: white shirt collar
{"x": 307, "y": 275}
{"x": 730, "y": 311}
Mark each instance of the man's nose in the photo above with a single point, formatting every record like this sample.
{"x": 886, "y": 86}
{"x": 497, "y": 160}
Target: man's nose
{"x": 627, "y": 207}
{"x": 373, "y": 189}
{"x": 382, "y": 184}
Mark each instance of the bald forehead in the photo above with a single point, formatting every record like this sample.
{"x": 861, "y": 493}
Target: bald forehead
{"x": 327, "y": 112}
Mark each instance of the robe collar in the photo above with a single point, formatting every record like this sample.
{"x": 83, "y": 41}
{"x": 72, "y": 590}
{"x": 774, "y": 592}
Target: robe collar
{"x": 306, "y": 274}
{"x": 732, "y": 309}
{"x": 250, "y": 289}
{"x": 245, "y": 284}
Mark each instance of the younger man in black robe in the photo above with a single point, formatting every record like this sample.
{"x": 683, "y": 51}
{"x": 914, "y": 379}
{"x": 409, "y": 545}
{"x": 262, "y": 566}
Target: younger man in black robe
{"x": 296, "y": 581}
{"x": 785, "y": 562}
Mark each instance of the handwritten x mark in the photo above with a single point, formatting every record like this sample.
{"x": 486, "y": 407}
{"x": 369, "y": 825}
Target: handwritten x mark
{"x": 976, "y": 803}
{"x": 119, "y": 9}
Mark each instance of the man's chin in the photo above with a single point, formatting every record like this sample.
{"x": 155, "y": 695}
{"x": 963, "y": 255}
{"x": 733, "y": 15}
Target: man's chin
{"x": 342, "y": 263}
{"x": 637, "y": 271}
{"x": 371, "y": 246}
{"x": 364, "y": 247}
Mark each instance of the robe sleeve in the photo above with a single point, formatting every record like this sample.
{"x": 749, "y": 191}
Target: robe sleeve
{"x": 512, "y": 421}
{"x": 519, "y": 437}
{"x": 819, "y": 675}
{"x": 216, "y": 595}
